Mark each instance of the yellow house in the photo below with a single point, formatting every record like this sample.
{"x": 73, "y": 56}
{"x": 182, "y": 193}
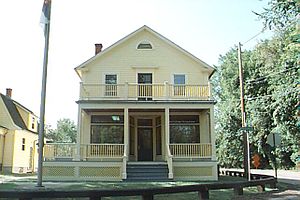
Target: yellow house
{"x": 18, "y": 136}
{"x": 145, "y": 112}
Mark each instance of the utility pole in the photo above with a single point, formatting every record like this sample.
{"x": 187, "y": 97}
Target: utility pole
{"x": 245, "y": 132}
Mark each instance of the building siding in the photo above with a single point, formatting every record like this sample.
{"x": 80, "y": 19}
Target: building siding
{"x": 163, "y": 61}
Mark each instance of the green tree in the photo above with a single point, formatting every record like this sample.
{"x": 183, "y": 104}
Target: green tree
{"x": 271, "y": 72}
{"x": 65, "y": 132}
{"x": 280, "y": 14}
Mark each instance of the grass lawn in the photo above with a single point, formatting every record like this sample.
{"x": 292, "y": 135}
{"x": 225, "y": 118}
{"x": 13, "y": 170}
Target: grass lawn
{"x": 224, "y": 194}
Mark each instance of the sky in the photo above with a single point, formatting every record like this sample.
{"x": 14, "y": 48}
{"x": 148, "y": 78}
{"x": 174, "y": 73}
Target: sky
{"x": 205, "y": 28}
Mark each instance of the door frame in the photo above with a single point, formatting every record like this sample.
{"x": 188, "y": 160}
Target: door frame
{"x": 148, "y": 115}
{"x": 140, "y": 155}
{"x": 137, "y": 81}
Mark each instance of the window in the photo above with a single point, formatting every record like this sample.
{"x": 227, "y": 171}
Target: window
{"x": 107, "y": 129}
{"x": 23, "y": 144}
{"x": 179, "y": 84}
{"x": 111, "y": 87}
{"x": 132, "y": 136}
{"x": 119, "y": 119}
{"x": 158, "y": 135}
{"x": 144, "y": 45}
{"x": 33, "y": 123}
{"x": 184, "y": 129}
{"x": 179, "y": 79}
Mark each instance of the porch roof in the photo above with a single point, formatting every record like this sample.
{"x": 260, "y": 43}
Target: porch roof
{"x": 152, "y": 102}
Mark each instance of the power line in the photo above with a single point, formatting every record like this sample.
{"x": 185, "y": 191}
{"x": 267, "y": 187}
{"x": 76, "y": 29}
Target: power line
{"x": 258, "y": 97}
{"x": 270, "y": 95}
{"x": 254, "y": 36}
{"x": 275, "y": 73}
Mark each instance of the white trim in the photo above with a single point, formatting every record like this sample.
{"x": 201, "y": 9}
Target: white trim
{"x": 144, "y": 67}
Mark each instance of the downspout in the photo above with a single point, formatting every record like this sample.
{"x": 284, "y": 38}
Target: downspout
{"x": 33, "y": 156}
{"x": 3, "y": 147}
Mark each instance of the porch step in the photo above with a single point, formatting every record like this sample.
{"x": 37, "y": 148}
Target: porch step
{"x": 147, "y": 172}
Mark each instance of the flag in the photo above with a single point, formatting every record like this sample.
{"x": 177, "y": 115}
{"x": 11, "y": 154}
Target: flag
{"x": 45, "y": 17}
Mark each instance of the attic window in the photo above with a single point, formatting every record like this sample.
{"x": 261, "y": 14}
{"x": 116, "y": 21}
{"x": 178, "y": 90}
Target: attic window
{"x": 144, "y": 45}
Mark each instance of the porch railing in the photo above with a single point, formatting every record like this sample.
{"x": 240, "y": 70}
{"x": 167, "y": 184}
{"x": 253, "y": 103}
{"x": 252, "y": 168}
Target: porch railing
{"x": 102, "y": 150}
{"x": 197, "y": 150}
{"x": 124, "y": 163}
{"x": 59, "y": 150}
{"x": 158, "y": 91}
{"x": 67, "y": 151}
{"x": 169, "y": 162}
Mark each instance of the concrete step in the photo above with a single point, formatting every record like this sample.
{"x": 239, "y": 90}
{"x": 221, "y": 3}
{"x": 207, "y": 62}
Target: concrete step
{"x": 147, "y": 172}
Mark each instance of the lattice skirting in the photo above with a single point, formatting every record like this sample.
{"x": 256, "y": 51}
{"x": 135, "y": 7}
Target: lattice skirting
{"x": 82, "y": 173}
{"x": 184, "y": 171}
{"x": 113, "y": 172}
{"x": 59, "y": 171}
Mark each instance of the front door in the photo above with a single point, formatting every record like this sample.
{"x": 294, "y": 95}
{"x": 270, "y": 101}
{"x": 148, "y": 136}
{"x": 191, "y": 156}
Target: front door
{"x": 145, "y": 86}
{"x": 145, "y": 140}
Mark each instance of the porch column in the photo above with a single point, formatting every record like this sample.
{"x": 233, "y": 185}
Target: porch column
{"x": 78, "y": 138}
{"x": 167, "y": 126}
{"x": 212, "y": 133}
{"x": 168, "y": 156}
{"x": 126, "y": 131}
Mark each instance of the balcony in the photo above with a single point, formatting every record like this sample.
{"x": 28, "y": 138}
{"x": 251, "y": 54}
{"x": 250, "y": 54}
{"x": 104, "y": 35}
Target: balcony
{"x": 134, "y": 91}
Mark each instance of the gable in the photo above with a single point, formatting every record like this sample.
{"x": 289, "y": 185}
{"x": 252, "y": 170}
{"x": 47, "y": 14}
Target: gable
{"x": 127, "y": 47}
{"x": 10, "y": 108}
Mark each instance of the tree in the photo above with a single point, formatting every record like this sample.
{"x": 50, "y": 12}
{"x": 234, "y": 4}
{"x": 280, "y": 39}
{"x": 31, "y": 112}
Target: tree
{"x": 271, "y": 72}
{"x": 281, "y": 14}
{"x": 65, "y": 132}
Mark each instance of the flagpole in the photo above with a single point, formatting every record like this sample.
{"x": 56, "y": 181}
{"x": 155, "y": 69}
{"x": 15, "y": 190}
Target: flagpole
{"x": 42, "y": 105}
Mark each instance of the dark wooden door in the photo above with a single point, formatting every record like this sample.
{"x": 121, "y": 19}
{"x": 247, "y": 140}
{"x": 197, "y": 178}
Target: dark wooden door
{"x": 145, "y": 144}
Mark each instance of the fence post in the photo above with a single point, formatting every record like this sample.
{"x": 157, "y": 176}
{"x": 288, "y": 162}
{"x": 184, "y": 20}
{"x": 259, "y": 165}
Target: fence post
{"x": 261, "y": 188}
{"x": 238, "y": 190}
{"x": 147, "y": 197}
{"x": 203, "y": 194}
{"x": 95, "y": 198}
{"x": 166, "y": 86}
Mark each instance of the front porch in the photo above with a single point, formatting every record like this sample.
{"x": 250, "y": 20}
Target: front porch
{"x": 109, "y": 162}
{"x": 183, "y": 139}
{"x": 110, "y": 152}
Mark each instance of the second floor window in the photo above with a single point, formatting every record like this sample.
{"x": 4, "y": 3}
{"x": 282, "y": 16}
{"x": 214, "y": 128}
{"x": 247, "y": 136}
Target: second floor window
{"x": 111, "y": 85}
{"x": 33, "y": 123}
{"x": 23, "y": 144}
{"x": 179, "y": 84}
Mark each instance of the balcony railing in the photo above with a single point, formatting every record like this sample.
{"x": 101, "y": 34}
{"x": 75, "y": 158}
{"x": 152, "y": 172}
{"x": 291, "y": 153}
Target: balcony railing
{"x": 197, "y": 150}
{"x": 133, "y": 91}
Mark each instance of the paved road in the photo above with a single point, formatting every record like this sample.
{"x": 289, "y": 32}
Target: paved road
{"x": 285, "y": 176}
